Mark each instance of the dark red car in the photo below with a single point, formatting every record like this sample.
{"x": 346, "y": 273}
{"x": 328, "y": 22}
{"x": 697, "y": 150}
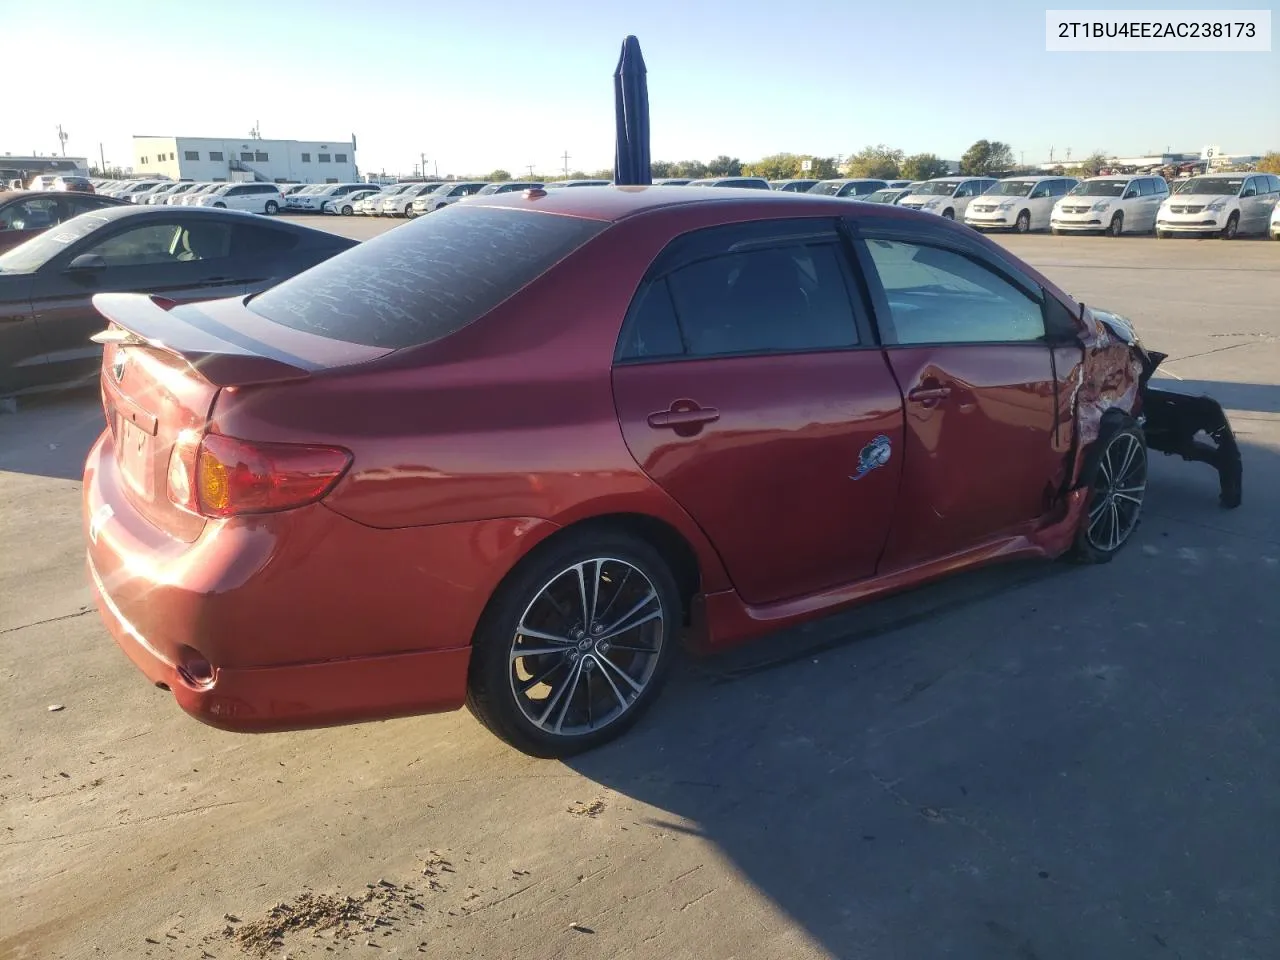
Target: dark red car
{"x": 510, "y": 453}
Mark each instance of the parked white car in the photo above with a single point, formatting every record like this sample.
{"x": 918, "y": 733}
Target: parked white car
{"x": 857, "y": 187}
{"x": 346, "y": 206}
{"x": 1275, "y": 221}
{"x": 253, "y": 197}
{"x": 1020, "y": 204}
{"x": 154, "y": 195}
{"x": 1226, "y": 204}
{"x": 313, "y": 198}
{"x": 443, "y": 195}
{"x": 1111, "y": 205}
{"x": 396, "y": 204}
{"x": 135, "y": 188}
{"x": 190, "y": 197}
{"x": 948, "y": 197}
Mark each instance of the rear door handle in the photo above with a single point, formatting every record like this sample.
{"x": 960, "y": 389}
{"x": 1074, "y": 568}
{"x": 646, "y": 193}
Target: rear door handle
{"x": 684, "y": 418}
{"x": 929, "y": 396}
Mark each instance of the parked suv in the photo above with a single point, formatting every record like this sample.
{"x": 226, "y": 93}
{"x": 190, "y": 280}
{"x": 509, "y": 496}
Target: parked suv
{"x": 253, "y": 197}
{"x": 1112, "y": 205}
{"x": 443, "y": 195}
{"x": 856, "y": 187}
{"x": 1018, "y": 203}
{"x": 948, "y": 197}
{"x": 313, "y": 198}
{"x": 397, "y": 204}
{"x": 1223, "y": 203}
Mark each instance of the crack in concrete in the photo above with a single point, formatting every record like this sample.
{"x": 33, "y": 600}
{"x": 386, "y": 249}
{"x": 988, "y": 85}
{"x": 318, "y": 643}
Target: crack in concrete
{"x": 38, "y": 623}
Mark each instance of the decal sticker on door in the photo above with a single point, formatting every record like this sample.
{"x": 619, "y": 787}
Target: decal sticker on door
{"x": 874, "y": 454}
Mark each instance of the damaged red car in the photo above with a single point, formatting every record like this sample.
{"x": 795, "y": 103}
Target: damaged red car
{"x": 512, "y": 454}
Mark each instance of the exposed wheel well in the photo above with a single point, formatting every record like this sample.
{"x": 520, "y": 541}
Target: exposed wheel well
{"x": 666, "y": 539}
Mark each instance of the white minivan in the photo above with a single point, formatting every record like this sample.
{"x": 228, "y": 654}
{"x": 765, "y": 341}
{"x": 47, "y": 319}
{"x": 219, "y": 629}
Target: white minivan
{"x": 949, "y": 197}
{"x": 1225, "y": 204}
{"x": 253, "y": 197}
{"x": 1112, "y": 205}
{"x": 1018, "y": 203}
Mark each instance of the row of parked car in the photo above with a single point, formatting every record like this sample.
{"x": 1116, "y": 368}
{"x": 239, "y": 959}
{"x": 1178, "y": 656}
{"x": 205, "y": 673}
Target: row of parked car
{"x": 1222, "y": 204}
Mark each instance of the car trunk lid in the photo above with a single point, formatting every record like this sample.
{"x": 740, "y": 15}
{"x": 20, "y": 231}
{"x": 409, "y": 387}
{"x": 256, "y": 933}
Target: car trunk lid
{"x": 163, "y": 368}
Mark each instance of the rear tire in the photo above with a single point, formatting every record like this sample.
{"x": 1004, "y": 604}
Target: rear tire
{"x": 599, "y": 675}
{"x": 1232, "y": 228}
{"x": 220, "y": 206}
{"x": 272, "y": 208}
{"x": 1117, "y": 225}
{"x": 948, "y": 214}
{"x": 1116, "y": 477}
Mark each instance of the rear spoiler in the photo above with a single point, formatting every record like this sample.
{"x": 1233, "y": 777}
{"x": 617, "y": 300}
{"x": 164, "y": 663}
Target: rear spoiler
{"x": 149, "y": 321}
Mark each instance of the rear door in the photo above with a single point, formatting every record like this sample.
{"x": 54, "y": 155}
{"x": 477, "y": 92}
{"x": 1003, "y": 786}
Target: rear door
{"x": 749, "y": 387}
{"x": 182, "y": 258}
{"x": 966, "y": 341}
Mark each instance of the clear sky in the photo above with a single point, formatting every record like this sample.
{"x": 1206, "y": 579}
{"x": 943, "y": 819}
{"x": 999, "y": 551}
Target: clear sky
{"x": 476, "y": 87}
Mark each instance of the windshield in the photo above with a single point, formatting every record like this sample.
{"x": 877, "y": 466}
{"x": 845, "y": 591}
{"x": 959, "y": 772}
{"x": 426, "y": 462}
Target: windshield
{"x": 937, "y": 188}
{"x": 1100, "y": 188}
{"x": 423, "y": 282}
{"x": 1012, "y": 188}
{"x": 1213, "y": 186}
{"x": 827, "y": 187}
{"x": 35, "y": 253}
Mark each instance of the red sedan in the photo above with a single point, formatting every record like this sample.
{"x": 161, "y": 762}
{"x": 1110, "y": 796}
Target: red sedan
{"x": 509, "y": 454}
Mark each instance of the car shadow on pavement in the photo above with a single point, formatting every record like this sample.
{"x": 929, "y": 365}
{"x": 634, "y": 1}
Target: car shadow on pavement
{"x": 1034, "y": 761}
{"x": 1258, "y": 397}
{"x": 50, "y": 434}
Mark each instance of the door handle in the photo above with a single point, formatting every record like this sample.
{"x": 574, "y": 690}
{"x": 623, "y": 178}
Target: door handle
{"x": 684, "y": 416}
{"x": 929, "y": 396}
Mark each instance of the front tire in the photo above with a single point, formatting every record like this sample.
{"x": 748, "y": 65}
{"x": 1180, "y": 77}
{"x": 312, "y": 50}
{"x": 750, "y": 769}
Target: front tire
{"x": 220, "y": 206}
{"x": 1232, "y": 228}
{"x": 346, "y": 210}
{"x": 948, "y": 214}
{"x": 1116, "y": 475}
{"x": 1023, "y": 223}
{"x": 1117, "y": 225}
{"x": 575, "y": 644}
{"x": 1162, "y": 234}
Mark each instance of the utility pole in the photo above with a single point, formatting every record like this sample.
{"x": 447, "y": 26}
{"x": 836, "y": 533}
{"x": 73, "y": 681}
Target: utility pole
{"x": 102, "y": 158}
{"x": 530, "y": 166}
{"x": 423, "y": 165}
{"x": 565, "y": 158}
{"x": 63, "y": 138}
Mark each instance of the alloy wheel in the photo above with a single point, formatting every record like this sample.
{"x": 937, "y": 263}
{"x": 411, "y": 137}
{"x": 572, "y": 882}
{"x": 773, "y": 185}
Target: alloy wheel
{"x": 1232, "y": 228}
{"x": 1117, "y": 225}
{"x": 586, "y": 647}
{"x": 1023, "y": 224}
{"x": 1118, "y": 492}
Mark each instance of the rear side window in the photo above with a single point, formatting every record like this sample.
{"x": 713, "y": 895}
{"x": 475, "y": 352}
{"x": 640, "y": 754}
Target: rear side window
{"x": 425, "y": 280}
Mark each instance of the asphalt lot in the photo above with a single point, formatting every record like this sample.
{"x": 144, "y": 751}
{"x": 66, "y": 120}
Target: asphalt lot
{"x": 1036, "y": 762}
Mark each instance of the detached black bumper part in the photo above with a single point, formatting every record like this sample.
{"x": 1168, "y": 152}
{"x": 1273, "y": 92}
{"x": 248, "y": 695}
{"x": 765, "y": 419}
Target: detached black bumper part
{"x": 1179, "y": 424}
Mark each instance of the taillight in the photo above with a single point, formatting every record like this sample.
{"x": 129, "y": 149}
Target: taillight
{"x": 219, "y": 476}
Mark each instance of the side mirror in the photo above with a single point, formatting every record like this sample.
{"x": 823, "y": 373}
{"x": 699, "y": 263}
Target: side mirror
{"x": 87, "y": 261}
{"x": 1249, "y": 192}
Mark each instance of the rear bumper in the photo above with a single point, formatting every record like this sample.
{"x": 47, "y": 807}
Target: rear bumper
{"x": 305, "y": 618}
{"x": 298, "y": 695}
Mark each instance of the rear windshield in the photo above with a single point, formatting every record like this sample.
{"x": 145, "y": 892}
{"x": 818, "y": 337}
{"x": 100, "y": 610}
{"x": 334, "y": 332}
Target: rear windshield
{"x": 425, "y": 280}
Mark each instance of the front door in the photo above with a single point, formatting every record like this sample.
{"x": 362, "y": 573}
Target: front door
{"x": 182, "y": 259}
{"x": 967, "y": 346}
{"x": 748, "y": 388}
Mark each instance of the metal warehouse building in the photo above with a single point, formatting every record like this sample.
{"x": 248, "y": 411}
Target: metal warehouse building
{"x": 279, "y": 161}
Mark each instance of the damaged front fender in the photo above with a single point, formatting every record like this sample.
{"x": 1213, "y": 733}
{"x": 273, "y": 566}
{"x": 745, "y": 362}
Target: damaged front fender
{"x": 1194, "y": 428}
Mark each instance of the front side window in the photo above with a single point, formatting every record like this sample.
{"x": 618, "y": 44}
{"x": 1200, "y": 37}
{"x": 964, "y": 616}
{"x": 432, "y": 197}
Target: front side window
{"x": 941, "y": 296}
{"x": 788, "y": 296}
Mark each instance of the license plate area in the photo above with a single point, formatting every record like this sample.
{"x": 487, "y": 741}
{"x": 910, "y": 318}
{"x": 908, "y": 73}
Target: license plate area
{"x": 134, "y": 453}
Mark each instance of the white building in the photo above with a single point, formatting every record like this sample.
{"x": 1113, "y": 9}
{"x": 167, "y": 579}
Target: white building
{"x": 281, "y": 161}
